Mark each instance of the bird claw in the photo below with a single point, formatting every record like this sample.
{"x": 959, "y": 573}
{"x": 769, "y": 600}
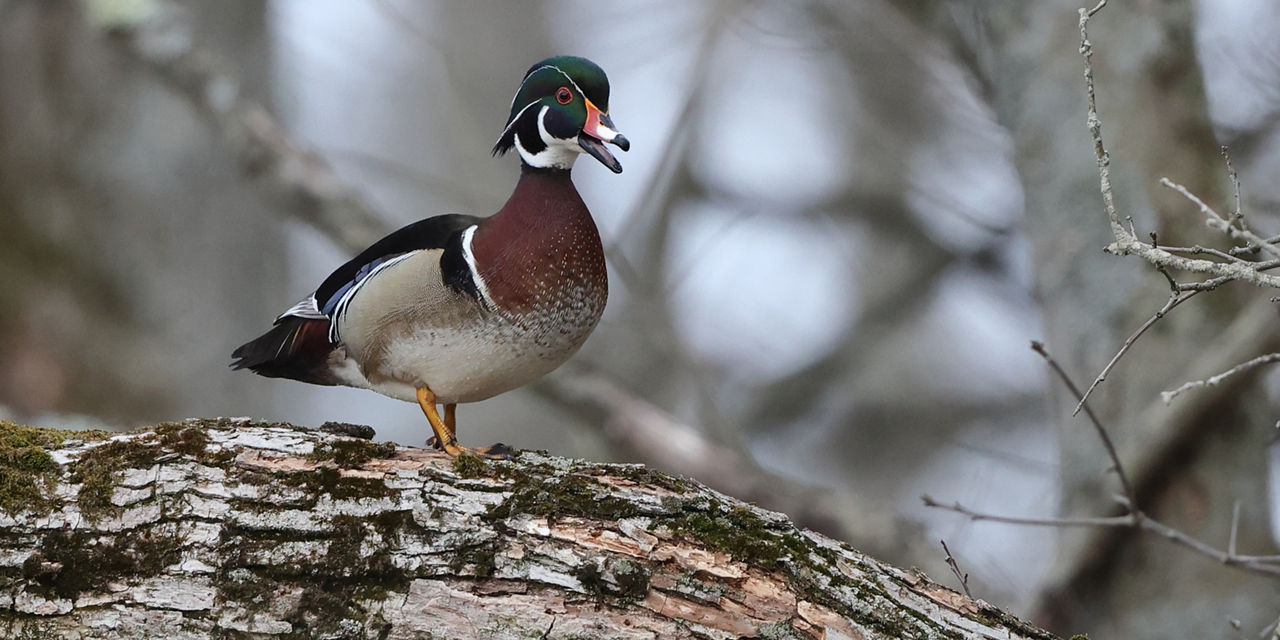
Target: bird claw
{"x": 497, "y": 451}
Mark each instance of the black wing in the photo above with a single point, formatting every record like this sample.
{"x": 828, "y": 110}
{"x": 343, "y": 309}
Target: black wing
{"x": 439, "y": 232}
{"x": 299, "y": 344}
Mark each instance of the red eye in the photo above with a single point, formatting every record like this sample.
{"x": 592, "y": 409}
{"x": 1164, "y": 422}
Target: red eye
{"x": 563, "y": 95}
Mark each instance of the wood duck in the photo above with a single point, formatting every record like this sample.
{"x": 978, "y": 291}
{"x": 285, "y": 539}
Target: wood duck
{"x": 457, "y": 308}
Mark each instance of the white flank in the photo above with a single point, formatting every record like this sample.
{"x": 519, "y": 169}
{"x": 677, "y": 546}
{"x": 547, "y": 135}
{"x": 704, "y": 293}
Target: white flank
{"x": 341, "y": 308}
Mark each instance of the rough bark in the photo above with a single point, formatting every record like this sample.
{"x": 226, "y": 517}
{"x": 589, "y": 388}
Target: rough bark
{"x": 232, "y": 528}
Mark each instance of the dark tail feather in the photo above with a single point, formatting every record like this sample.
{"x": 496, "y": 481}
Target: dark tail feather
{"x": 296, "y": 348}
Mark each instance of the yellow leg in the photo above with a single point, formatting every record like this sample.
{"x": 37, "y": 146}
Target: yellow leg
{"x": 446, "y": 427}
{"x": 451, "y": 419}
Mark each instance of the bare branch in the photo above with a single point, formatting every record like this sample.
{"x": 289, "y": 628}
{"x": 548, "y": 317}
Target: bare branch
{"x": 1235, "y": 528}
{"x": 1134, "y": 517}
{"x": 1128, "y": 245}
{"x": 1263, "y": 565}
{"x": 1220, "y": 223}
{"x": 1236, "y": 215}
{"x": 1130, "y": 496}
{"x": 1198, "y": 250}
{"x": 1176, "y": 298}
{"x": 1253, "y": 248}
{"x": 1095, "y": 127}
{"x": 1109, "y": 521}
{"x": 1269, "y": 358}
{"x": 955, "y": 569}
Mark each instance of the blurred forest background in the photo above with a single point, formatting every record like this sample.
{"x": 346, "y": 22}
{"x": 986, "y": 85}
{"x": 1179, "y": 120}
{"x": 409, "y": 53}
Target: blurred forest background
{"x": 840, "y": 226}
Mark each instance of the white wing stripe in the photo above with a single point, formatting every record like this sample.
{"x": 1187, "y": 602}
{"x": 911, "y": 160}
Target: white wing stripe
{"x": 340, "y": 310}
{"x": 306, "y": 308}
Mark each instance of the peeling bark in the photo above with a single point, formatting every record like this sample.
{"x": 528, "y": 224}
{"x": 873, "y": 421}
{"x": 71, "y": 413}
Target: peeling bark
{"x": 242, "y": 529}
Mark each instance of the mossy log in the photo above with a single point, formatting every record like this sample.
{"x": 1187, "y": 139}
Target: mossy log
{"x": 242, "y": 529}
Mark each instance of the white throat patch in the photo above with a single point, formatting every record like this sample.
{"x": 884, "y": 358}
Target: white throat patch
{"x": 559, "y": 154}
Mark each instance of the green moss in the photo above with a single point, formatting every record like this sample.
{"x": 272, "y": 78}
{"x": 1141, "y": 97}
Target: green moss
{"x": 70, "y": 562}
{"x": 592, "y": 580}
{"x": 632, "y": 579}
{"x": 333, "y": 585}
{"x": 482, "y": 559}
{"x": 779, "y": 631}
{"x": 644, "y": 476}
{"x": 26, "y": 468}
{"x": 735, "y": 530}
{"x": 330, "y": 481}
{"x": 348, "y": 453}
{"x": 30, "y": 630}
{"x": 469, "y": 465}
{"x": 96, "y": 471}
{"x": 621, "y": 579}
{"x": 559, "y": 496}
{"x": 187, "y": 438}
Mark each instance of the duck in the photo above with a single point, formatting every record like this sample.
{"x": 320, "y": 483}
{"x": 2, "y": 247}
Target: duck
{"x": 458, "y": 308}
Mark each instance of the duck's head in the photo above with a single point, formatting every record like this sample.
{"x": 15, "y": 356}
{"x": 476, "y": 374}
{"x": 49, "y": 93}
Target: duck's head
{"x": 560, "y": 111}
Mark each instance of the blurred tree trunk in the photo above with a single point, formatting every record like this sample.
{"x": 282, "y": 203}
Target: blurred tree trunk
{"x": 209, "y": 527}
{"x": 1191, "y": 461}
{"x": 120, "y": 207}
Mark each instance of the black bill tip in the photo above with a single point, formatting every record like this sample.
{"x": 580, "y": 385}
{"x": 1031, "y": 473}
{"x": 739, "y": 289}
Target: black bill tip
{"x": 597, "y": 150}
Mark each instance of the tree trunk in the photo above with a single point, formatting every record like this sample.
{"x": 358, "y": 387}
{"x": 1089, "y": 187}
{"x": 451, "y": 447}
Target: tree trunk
{"x": 243, "y": 529}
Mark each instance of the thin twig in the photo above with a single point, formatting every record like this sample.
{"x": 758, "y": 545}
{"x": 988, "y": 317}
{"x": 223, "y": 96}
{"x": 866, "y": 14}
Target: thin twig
{"x": 1095, "y": 125}
{"x": 1237, "y": 215}
{"x": 1253, "y": 248}
{"x": 1263, "y": 565}
{"x": 1129, "y": 494}
{"x": 1213, "y": 381}
{"x": 1214, "y": 283}
{"x": 1221, "y": 223}
{"x": 1176, "y": 298}
{"x": 1198, "y": 250}
{"x": 977, "y": 516}
{"x": 1235, "y": 528}
{"x": 955, "y": 569}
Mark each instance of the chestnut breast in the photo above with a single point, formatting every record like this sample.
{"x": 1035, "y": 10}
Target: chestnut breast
{"x": 541, "y": 259}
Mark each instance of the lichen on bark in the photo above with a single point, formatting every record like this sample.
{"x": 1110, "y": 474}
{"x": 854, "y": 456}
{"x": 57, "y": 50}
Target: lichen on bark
{"x": 243, "y": 529}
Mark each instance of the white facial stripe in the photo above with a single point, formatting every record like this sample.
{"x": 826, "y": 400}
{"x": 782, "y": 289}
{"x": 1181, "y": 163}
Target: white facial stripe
{"x": 546, "y": 136}
{"x": 471, "y": 264}
{"x": 517, "y": 118}
{"x": 545, "y": 66}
